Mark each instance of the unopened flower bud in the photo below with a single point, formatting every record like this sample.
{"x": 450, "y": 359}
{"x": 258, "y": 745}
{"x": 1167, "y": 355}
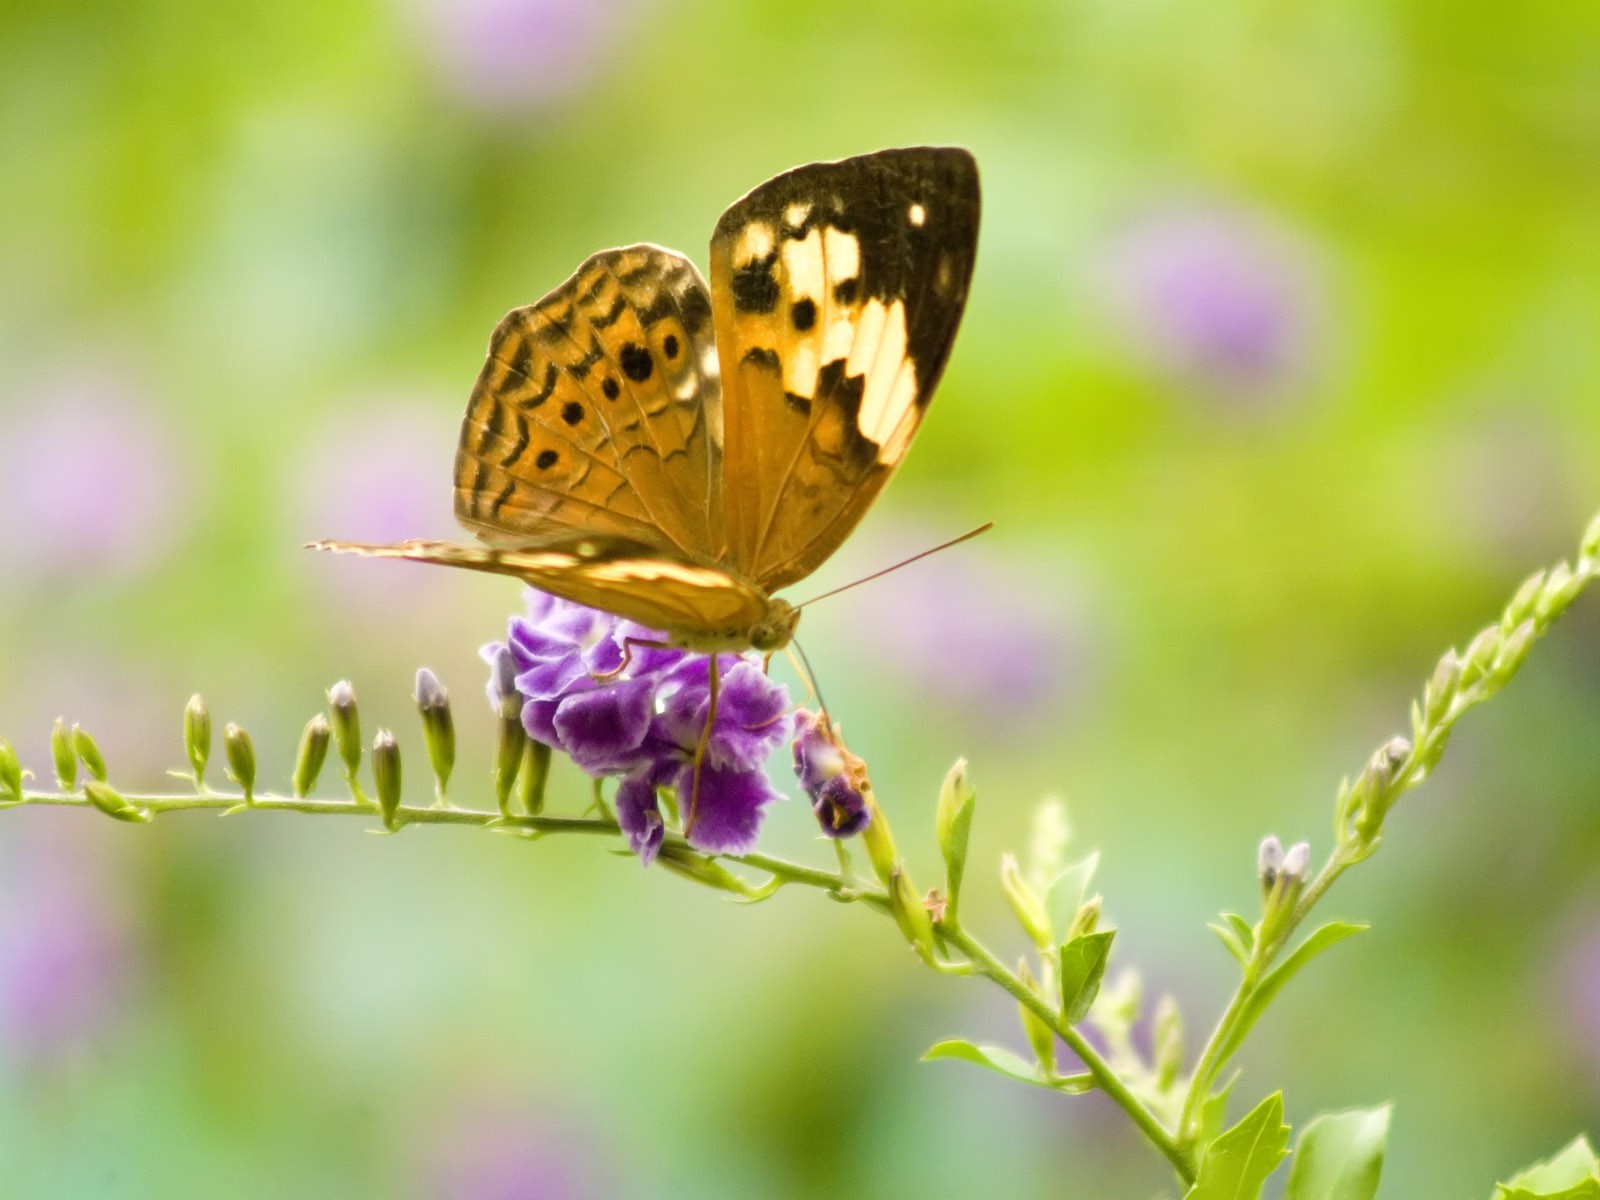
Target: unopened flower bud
{"x": 1168, "y": 1042}
{"x": 197, "y": 736}
{"x": 1269, "y": 861}
{"x": 1513, "y": 650}
{"x": 10, "y": 773}
{"x": 535, "y": 771}
{"x": 1591, "y": 539}
{"x": 1296, "y": 864}
{"x": 504, "y": 697}
{"x": 346, "y": 721}
{"x": 1441, "y": 690}
{"x": 241, "y": 752}
{"x": 1025, "y": 902}
{"x": 88, "y": 752}
{"x": 113, "y": 803}
{"x": 64, "y": 756}
{"x": 953, "y": 824}
{"x": 1374, "y": 792}
{"x": 1522, "y": 603}
{"x": 1279, "y": 901}
{"x": 438, "y": 727}
{"x": 1040, "y": 1036}
{"x": 1557, "y": 592}
{"x": 508, "y": 756}
{"x": 313, "y": 752}
{"x": 909, "y": 912}
{"x": 1480, "y": 653}
{"x": 1086, "y": 919}
{"x": 386, "y": 775}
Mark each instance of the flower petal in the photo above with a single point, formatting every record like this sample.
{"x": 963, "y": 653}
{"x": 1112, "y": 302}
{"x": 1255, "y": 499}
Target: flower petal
{"x": 729, "y": 809}
{"x": 602, "y": 729}
{"x": 639, "y": 814}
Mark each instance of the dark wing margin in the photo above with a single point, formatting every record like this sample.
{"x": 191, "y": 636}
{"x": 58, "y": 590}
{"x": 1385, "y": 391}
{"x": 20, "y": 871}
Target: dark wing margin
{"x": 836, "y": 290}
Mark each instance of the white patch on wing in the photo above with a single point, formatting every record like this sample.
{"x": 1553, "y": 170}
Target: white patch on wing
{"x": 645, "y": 570}
{"x": 795, "y": 215}
{"x": 755, "y": 241}
{"x": 883, "y": 403}
{"x": 800, "y": 369}
{"x": 916, "y": 214}
{"x": 843, "y": 251}
{"x": 802, "y": 266}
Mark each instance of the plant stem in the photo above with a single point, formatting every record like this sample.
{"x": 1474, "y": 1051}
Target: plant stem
{"x": 1105, "y": 1078}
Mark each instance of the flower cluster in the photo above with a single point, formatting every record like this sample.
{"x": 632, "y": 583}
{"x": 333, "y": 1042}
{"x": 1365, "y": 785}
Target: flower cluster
{"x": 606, "y": 693}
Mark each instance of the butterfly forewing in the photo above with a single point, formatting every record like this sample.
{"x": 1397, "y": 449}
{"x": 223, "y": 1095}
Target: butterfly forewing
{"x": 836, "y": 289}
{"x": 598, "y": 410}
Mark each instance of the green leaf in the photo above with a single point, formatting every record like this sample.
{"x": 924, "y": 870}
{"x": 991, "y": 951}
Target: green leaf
{"x": 1083, "y": 968}
{"x": 1069, "y": 889}
{"x": 1214, "y": 1111}
{"x": 1267, "y": 990}
{"x": 1235, "y": 934}
{"x": 1339, "y": 1156}
{"x": 1002, "y": 1062}
{"x": 1573, "y": 1174}
{"x": 1237, "y": 1164}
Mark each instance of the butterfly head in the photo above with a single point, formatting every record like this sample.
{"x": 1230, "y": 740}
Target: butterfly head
{"x": 774, "y": 631}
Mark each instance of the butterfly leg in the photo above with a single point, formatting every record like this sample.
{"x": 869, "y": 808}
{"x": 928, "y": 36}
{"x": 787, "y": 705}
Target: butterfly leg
{"x": 627, "y": 657}
{"x": 704, "y": 744}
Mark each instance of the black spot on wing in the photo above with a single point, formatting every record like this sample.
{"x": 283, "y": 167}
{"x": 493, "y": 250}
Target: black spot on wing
{"x": 636, "y": 362}
{"x": 764, "y": 357}
{"x": 800, "y": 404}
{"x": 611, "y": 388}
{"x": 669, "y": 345}
{"x": 572, "y": 412}
{"x": 755, "y": 287}
{"x": 546, "y": 459}
{"x": 803, "y": 314}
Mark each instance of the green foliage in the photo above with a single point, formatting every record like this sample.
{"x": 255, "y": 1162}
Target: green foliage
{"x": 1237, "y": 1164}
{"x": 1573, "y": 1174}
{"x": 1339, "y": 1156}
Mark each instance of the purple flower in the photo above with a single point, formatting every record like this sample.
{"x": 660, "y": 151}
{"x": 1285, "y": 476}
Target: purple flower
{"x": 824, "y": 769}
{"x": 96, "y": 473}
{"x": 619, "y": 708}
{"x": 1215, "y": 294}
{"x": 512, "y": 55}
{"x": 66, "y": 945}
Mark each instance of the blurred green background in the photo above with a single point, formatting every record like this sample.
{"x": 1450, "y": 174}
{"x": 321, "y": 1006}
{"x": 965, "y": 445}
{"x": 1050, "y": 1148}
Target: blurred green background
{"x": 1279, "y": 372}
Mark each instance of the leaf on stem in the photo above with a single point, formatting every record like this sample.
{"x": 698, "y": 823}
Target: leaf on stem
{"x": 1573, "y": 1174}
{"x": 1339, "y": 1156}
{"x": 1002, "y": 1062}
{"x": 1083, "y": 968}
{"x": 1267, "y": 990}
{"x": 1237, "y": 1164}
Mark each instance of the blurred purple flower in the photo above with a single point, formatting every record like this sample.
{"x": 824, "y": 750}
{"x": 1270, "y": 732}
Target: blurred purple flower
{"x": 988, "y": 637}
{"x": 495, "y": 1152}
{"x": 513, "y": 55}
{"x": 640, "y": 714}
{"x": 66, "y": 949}
{"x": 89, "y": 477}
{"x": 374, "y": 476}
{"x": 1578, "y": 987}
{"x": 1216, "y": 295}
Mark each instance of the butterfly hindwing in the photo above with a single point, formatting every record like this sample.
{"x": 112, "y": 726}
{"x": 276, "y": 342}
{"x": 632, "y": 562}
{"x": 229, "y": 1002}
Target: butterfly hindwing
{"x": 598, "y": 411}
{"x": 836, "y": 289}
{"x": 635, "y": 580}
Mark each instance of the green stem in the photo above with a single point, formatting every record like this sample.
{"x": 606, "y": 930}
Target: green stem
{"x": 1105, "y": 1078}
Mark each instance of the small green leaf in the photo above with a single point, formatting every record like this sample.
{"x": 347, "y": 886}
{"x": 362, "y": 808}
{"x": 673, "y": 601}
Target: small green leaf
{"x": 1237, "y": 1164}
{"x": 1214, "y": 1111}
{"x": 1339, "y": 1156}
{"x": 1573, "y": 1174}
{"x": 1083, "y": 967}
{"x": 1002, "y": 1062}
{"x": 1069, "y": 889}
{"x": 1236, "y": 934}
{"x": 1329, "y": 935}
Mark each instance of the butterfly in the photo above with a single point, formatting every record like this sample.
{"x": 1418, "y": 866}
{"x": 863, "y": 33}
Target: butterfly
{"x": 675, "y": 454}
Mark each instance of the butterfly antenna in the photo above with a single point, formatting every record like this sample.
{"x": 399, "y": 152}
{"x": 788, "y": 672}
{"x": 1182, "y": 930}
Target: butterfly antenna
{"x": 810, "y": 676}
{"x": 905, "y": 562}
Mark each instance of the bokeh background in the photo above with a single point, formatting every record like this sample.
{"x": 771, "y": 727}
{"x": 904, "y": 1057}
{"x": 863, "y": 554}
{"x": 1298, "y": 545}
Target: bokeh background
{"x": 1280, "y": 371}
